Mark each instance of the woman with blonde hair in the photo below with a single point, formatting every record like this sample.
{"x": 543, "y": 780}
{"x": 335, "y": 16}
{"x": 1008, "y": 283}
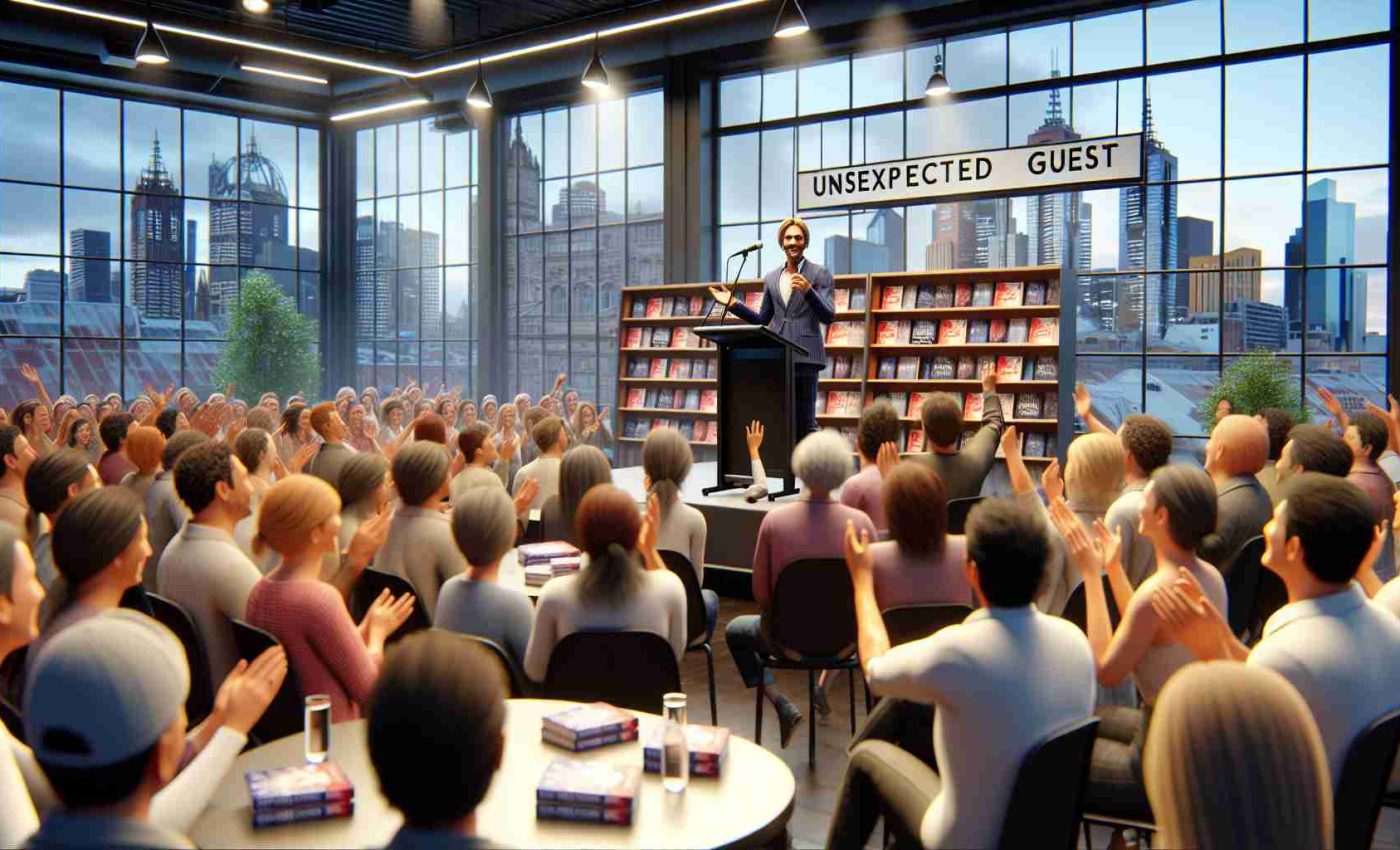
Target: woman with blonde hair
{"x": 144, "y": 445}
{"x": 580, "y": 471}
{"x": 1233, "y": 760}
{"x": 299, "y": 519}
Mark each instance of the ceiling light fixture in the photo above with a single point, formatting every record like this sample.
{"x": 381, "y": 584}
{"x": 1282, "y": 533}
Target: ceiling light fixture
{"x": 937, "y": 85}
{"x": 595, "y": 76}
{"x": 479, "y": 95}
{"x": 417, "y": 99}
{"x": 257, "y": 7}
{"x": 288, "y": 75}
{"x": 791, "y": 21}
{"x": 150, "y": 50}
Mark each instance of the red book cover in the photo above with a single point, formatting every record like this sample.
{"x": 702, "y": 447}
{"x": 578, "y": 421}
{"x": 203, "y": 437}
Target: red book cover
{"x": 636, "y": 398}
{"x": 653, "y": 307}
{"x": 658, "y": 367}
{"x": 1009, "y": 367}
{"x": 838, "y": 334}
{"x": 996, "y": 330}
{"x": 952, "y": 332}
{"x": 916, "y": 404}
{"x": 701, "y": 429}
{"x": 304, "y": 783}
{"x": 1008, "y": 294}
{"x": 892, "y": 297}
{"x": 753, "y": 300}
{"x": 568, "y": 780}
{"x": 887, "y": 332}
{"x": 633, "y": 338}
{"x": 708, "y": 400}
{"x": 916, "y": 440}
{"x": 962, "y": 295}
{"x": 1044, "y": 330}
{"x": 680, "y": 338}
{"x": 972, "y": 406}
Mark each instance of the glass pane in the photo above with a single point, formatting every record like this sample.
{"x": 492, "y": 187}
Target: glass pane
{"x": 36, "y": 282}
{"x": 1336, "y": 18}
{"x": 583, "y": 139}
{"x": 779, "y": 94}
{"x": 1185, "y": 119}
{"x": 957, "y": 127}
{"x": 410, "y": 242}
{"x": 1182, "y": 30}
{"x": 776, "y": 175}
{"x": 612, "y": 196}
{"x": 408, "y": 157}
{"x": 29, "y": 219}
{"x": 1335, "y": 305}
{"x": 1107, "y": 42}
{"x": 1254, "y": 316}
{"x": 456, "y": 232}
{"x": 266, "y": 231}
{"x": 408, "y": 364}
{"x": 973, "y": 62}
{"x": 1264, "y": 118}
{"x": 883, "y": 137}
{"x": 269, "y": 154}
{"x": 94, "y": 229}
{"x": 831, "y": 240}
{"x": 1176, "y": 389}
{"x": 201, "y": 359}
{"x": 876, "y": 243}
{"x": 1038, "y": 53}
{"x": 732, "y": 239}
{"x": 429, "y": 162}
{"x": 200, "y": 320}
{"x": 92, "y": 280}
{"x": 1197, "y": 224}
{"x": 645, "y": 193}
{"x": 408, "y": 293}
{"x": 308, "y": 240}
{"x": 386, "y": 159}
{"x": 364, "y": 163}
{"x": 92, "y": 152}
{"x": 211, "y": 145}
{"x": 1362, "y": 194}
{"x": 387, "y": 232}
{"x": 457, "y": 306}
{"x": 738, "y": 182}
{"x": 1265, "y": 214}
{"x": 151, "y": 157}
{"x": 740, "y": 99}
{"x": 157, "y": 364}
{"x": 430, "y": 281}
{"x": 430, "y": 222}
{"x": 835, "y": 143}
{"x": 556, "y": 195}
{"x": 1115, "y": 384}
{"x": 556, "y": 142}
{"x": 612, "y": 128}
{"x": 457, "y": 158}
{"x": 1110, "y": 313}
{"x": 876, "y": 78}
{"x": 583, "y": 201}
{"x": 90, "y": 366}
{"x": 1252, "y": 24}
{"x": 1039, "y": 117}
{"x": 645, "y": 260}
{"x": 646, "y": 128}
{"x": 824, "y": 87}
{"x": 1098, "y": 105}
{"x": 28, "y": 133}
{"x": 1354, "y": 380}
{"x": 156, "y": 292}
{"x": 1339, "y": 132}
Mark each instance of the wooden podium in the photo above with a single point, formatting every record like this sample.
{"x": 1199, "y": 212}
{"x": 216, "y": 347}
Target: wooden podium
{"x": 755, "y": 382}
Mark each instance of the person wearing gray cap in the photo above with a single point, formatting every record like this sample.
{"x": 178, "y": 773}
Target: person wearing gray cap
{"x": 21, "y": 593}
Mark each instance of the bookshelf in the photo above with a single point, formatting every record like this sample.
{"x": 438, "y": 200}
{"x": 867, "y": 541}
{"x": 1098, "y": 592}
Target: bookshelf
{"x": 937, "y": 331}
{"x": 846, "y": 349}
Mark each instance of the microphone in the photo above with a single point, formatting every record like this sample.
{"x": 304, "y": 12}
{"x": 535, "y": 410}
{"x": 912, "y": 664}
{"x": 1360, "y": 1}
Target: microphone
{"x": 747, "y": 250}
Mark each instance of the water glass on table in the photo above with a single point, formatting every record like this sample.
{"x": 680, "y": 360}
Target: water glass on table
{"x": 318, "y": 727}
{"x": 675, "y": 752}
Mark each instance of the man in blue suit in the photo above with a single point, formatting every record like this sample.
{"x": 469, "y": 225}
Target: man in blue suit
{"x": 797, "y": 301}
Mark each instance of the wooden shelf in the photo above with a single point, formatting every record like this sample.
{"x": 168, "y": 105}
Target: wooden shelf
{"x": 1041, "y": 311}
{"x": 849, "y": 315}
{"x": 1021, "y": 273}
{"x": 842, "y": 381}
{"x": 668, "y": 380}
{"x": 968, "y": 348}
{"x": 653, "y": 411}
{"x": 643, "y": 440}
{"x": 844, "y": 348}
{"x": 664, "y": 321}
{"x": 656, "y": 352}
{"x": 1026, "y": 423}
{"x": 963, "y": 383}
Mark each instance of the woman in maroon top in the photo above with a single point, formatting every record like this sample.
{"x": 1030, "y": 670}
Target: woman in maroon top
{"x": 299, "y": 518}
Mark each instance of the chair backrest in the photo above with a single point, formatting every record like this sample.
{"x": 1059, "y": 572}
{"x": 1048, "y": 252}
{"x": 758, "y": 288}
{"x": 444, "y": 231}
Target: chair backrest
{"x": 906, "y": 623}
{"x": 13, "y": 719}
{"x": 812, "y": 614}
{"x": 511, "y": 675}
{"x": 284, "y": 714}
{"x": 169, "y": 614}
{"x": 1046, "y": 801}
{"x": 1076, "y": 612}
{"x": 368, "y": 587}
{"x": 694, "y": 602}
{"x": 1362, "y": 785}
{"x": 136, "y": 599}
{"x": 958, "y": 509}
{"x": 628, "y": 669}
{"x": 1242, "y": 583}
{"x": 1270, "y": 594}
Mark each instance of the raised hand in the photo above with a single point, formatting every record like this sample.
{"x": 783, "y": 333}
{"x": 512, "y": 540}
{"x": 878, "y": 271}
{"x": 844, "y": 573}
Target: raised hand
{"x": 753, "y": 434}
{"x": 1111, "y": 544}
{"x": 249, "y": 688}
{"x": 459, "y": 462}
{"x": 989, "y": 381}
{"x": 651, "y": 525}
{"x": 800, "y": 283}
{"x": 302, "y": 457}
{"x": 30, "y": 374}
{"x": 722, "y": 296}
{"x": 525, "y": 495}
{"x": 1086, "y": 552}
{"x": 1083, "y": 402}
{"x": 887, "y": 458}
{"x": 1052, "y": 482}
{"x": 510, "y": 441}
{"x": 1011, "y": 442}
{"x": 1333, "y": 406}
{"x": 387, "y": 615}
{"x": 857, "y": 550}
{"x": 369, "y": 537}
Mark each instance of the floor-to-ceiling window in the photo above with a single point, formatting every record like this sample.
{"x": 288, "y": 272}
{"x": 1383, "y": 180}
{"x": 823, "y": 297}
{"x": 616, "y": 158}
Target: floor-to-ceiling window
{"x": 583, "y": 207}
{"x": 415, "y": 256}
{"x": 1261, "y": 221}
{"x": 126, "y": 228}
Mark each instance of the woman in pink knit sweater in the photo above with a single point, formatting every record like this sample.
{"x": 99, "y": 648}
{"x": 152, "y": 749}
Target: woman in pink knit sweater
{"x": 299, "y": 518}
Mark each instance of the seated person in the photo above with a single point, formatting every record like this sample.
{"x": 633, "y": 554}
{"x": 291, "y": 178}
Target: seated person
{"x": 52, "y": 482}
{"x": 1278, "y": 423}
{"x": 20, "y": 596}
{"x": 144, "y": 445}
{"x": 334, "y": 452}
{"x": 365, "y": 489}
{"x": 165, "y": 513}
{"x": 921, "y": 563}
{"x": 551, "y": 440}
{"x": 666, "y": 462}
{"x": 1000, "y": 681}
{"x": 299, "y": 519}
{"x": 811, "y": 527}
{"x": 1367, "y": 435}
{"x": 582, "y": 469}
{"x": 464, "y": 733}
{"x": 962, "y": 471}
{"x": 483, "y": 526}
{"x": 1313, "y": 448}
{"x": 1147, "y": 446}
{"x": 420, "y": 548}
{"x": 1236, "y": 451}
{"x": 625, "y": 587}
{"x": 478, "y": 453}
{"x": 879, "y": 424}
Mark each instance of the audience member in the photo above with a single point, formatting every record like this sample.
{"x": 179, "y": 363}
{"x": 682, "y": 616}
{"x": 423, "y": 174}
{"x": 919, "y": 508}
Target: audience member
{"x": 260, "y": 417}
{"x": 625, "y": 587}
{"x": 361, "y": 430}
{"x": 16, "y": 456}
{"x": 809, "y": 528}
{"x": 666, "y": 462}
{"x": 429, "y": 428}
{"x": 879, "y": 424}
{"x": 114, "y": 464}
{"x": 333, "y": 454}
{"x": 1234, "y": 759}
{"x": 365, "y": 490}
{"x": 489, "y": 409}
{"x": 1236, "y": 451}
{"x": 551, "y": 441}
{"x": 1278, "y": 423}
{"x": 465, "y": 734}
{"x": 78, "y": 432}
{"x": 484, "y": 528}
{"x": 202, "y": 570}
{"x": 20, "y": 597}
{"x": 144, "y": 445}
{"x": 1367, "y": 436}
{"x": 171, "y": 420}
{"x": 1001, "y": 681}
{"x": 942, "y": 415}
{"x": 391, "y": 422}
{"x": 295, "y": 430}
{"x": 477, "y": 454}
{"x": 419, "y": 547}
{"x": 1147, "y": 446}
{"x": 1313, "y": 448}
{"x": 921, "y": 563}
{"x": 165, "y": 513}
{"x": 581, "y": 470}
{"x": 506, "y": 435}
{"x": 1328, "y": 642}
{"x": 590, "y": 428}
{"x": 447, "y": 410}
{"x": 529, "y": 451}
{"x": 50, "y": 483}
{"x": 299, "y": 518}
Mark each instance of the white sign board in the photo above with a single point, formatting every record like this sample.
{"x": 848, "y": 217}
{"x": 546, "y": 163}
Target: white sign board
{"x": 1029, "y": 169}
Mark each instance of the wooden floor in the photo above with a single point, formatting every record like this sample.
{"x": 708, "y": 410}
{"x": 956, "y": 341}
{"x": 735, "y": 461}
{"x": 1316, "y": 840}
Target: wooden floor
{"x": 817, "y": 788}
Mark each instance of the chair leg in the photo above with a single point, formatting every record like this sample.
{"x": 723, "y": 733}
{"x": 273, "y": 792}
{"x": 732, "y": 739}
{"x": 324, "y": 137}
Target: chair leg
{"x": 851, "y": 679}
{"x": 811, "y": 713}
{"x": 758, "y": 711}
{"x": 1088, "y": 838}
{"x": 710, "y": 665}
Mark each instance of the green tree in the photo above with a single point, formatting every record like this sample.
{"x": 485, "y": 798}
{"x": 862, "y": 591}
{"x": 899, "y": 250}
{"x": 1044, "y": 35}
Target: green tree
{"x": 271, "y": 345}
{"x": 1253, "y": 382}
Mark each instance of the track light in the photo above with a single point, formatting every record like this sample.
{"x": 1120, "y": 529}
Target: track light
{"x": 791, "y": 21}
{"x": 595, "y": 76}
{"x": 479, "y": 95}
{"x": 257, "y": 7}
{"x": 150, "y": 50}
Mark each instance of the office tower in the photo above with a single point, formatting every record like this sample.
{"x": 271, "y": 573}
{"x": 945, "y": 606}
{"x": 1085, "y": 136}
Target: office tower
{"x": 1147, "y": 241}
{"x": 1239, "y": 281}
{"x": 1057, "y": 236}
{"x": 881, "y": 249}
{"x": 191, "y": 277}
{"x": 248, "y": 221}
{"x": 1195, "y": 237}
{"x": 90, "y": 266}
{"x": 1330, "y": 303}
{"x": 42, "y": 284}
{"x": 156, "y": 233}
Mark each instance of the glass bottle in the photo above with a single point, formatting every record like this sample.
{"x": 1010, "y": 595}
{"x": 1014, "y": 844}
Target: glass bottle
{"x": 675, "y": 751}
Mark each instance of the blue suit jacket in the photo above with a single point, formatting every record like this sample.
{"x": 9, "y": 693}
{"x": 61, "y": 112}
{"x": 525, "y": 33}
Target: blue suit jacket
{"x": 803, "y": 319}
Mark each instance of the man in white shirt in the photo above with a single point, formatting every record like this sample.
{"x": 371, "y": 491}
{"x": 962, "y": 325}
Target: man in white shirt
{"x": 1338, "y": 649}
{"x": 1001, "y": 681}
{"x": 552, "y": 440}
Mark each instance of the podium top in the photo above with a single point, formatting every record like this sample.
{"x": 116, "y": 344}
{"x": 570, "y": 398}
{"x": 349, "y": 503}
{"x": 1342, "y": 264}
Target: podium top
{"x": 746, "y": 336}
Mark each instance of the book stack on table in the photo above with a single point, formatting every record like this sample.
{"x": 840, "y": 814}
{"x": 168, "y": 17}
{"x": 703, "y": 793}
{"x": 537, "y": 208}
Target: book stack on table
{"x": 301, "y": 793}
{"x": 707, "y": 744}
{"x": 544, "y": 561}
{"x": 587, "y": 791}
{"x": 587, "y": 727}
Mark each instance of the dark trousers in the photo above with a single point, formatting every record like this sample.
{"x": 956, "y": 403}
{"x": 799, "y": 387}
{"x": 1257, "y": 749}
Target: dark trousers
{"x": 804, "y": 378}
{"x": 882, "y": 779}
{"x": 744, "y": 635}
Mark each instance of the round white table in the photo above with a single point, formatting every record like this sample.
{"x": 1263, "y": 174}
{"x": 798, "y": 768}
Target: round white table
{"x": 748, "y": 805}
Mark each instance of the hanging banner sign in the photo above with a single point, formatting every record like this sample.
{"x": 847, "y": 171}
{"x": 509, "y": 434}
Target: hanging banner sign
{"x": 1029, "y": 169}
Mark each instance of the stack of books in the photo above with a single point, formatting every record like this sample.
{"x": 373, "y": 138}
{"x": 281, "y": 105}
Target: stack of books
{"x": 301, "y": 793}
{"x": 707, "y": 744}
{"x": 587, "y": 791}
{"x": 544, "y": 561}
{"x": 587, "y": 727}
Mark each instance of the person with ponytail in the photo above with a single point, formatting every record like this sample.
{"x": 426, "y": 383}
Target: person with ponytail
{"x": 51, "y": 481}
{"x": 299, "y": 519}
{"x": 666, "y": 461}
{"x": 625, "y": 587}
{"x": 20, "y": 597}
{"x": 581, "y": 470}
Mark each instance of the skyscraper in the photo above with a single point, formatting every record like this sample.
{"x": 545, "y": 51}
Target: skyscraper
{"x": 1195, "y": 237}
{"x": 1057, "y": 234}
{"x": 1147, "y": 241}
{"x": 881, "y": 249}
{"x": 1242, "y": 279}
{"x": 90, "y": 266}
{"x": 157, "y": 231}
{"x": 248, "y": 221}
{"x": 1334, "y": 299}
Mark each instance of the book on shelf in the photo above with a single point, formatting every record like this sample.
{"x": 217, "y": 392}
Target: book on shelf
{"x": 661, "y": 337}
{"x": 682, "y": 306}
{"x": 633, "y": 338}
{"x": 638, "y": 310}
{"x": 967, "y": 368}
{"x": 692, "y": 400}
{"x": 985, "y": 363}
{"x": 708, "y": 745}
{"x": 915, "y": 441}
{"x": 702, "y": 429}
{"x": 1052, "y": 292}
{"x": 885, "y": 368}
{"x": 899, "y": 401}
{"x": 680, "y": 338}
{"x": 943, "y": 295}
{"x": 658, "y": 367}
{"x": 962, "y": 295}
{"x": 996, "y": 330}
{"x": 1033, "y": 445}
{"x": 911, "y": 297}
{"x": 978, "y": 331}
{"x": 1008, "y": 405}
{"x": 923, "y": 297}
{"x": 907, "y": 368}
{"x": 1035, "y": 293}
{"x": 633, "y": 428}
{"x": 1008, "y": 294}
{"x": 916, "y": 403}
{"x": 839, "y": 366}
{"x": 1017, "y": 330}
{"x": 1027, "y": 406}
{"x": 952, "y": 332}
{"x": 892, "y": 298}
{"x": 858, "y": 298}
{"x": 687, "y": 428}
{"x": 1044, "y": 330}
{"x": 1050, "y": 406}
{"x": 891, "y": 332}
{"x": 841, "y": 299}
{"x": 1009, "y": 367}
{"x": 302, "y": 813}
{"x": 285, "y": 787}
{"x": 972, "y": 406}
{"x": 654, "y": 307}
{"x": 680, "y": 368}
{"x": 942, "y": 368}
{"x": 648, "y": 398}
{"x": 838, "y": 333}
{"x": 982, "y": 293}
{"x": 856, "y": 333}
{"x": 638, "y": 367}
{"x": 636, "y": 398}
{"x": 821, "y": 403}
{"x": 753, "y": 300}
{"x": 923, "y": 332}
{"x": 709, "y": 400}
{"x": 1051, "y": 445}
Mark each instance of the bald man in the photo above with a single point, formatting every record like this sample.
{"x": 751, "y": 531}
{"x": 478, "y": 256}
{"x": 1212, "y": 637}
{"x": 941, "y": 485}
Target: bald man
{"x": 1238, "y": 448}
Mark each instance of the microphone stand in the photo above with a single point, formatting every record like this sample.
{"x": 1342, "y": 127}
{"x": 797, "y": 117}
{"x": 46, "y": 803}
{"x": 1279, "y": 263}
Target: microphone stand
{"x": 728, "y": 286}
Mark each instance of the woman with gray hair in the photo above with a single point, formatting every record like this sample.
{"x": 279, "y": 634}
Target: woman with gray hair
{"x": 419, "y": 547}
{"x": 580, "y": 471}
{"x": 364, "y": 487}
{"x": 483, "y": 526}
{"x": 812, "y": 527}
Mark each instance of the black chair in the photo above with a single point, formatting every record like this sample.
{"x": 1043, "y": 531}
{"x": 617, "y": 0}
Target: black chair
{"x": 905, "y": 623}
{"x": 958, "y": 509}
{"x": 1077, "y": 613}
{"x": 136, "y": 599}
{"x": 13, "y": 719}
{"x": 284, "y": 714}
{"x": 628, "y": 669}
{"x": 367, "y": 589}
{"x": 1362, "y": 785}
{"x": 169, "y": 614}
{"x": 511, "y": 674}
{"x": 698, "y": 631}
{"x": 1269, "y": 596}
{"x": 12, "y": 676}
{"x": 1048, "y": 797}
{"x": 810, "y": 625}
{"x": 1242, "y": 583}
